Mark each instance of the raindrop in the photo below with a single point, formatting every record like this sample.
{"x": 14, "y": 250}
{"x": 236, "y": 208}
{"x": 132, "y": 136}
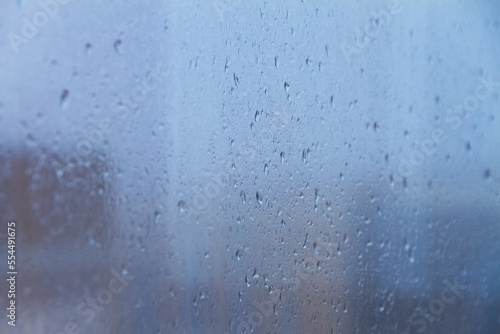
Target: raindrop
{"x": 406, "y": 245}
{"x": 255, "y": 275}
{"x": 88, "y": 48}
{"x": 305, "y": 154}
{"x": 287, "y": 86}
{"x": 259, "y": 197}
{"x": 157, "y": 216}
{"x": 63, "y": 97}
{"x": 117, "y": 45}
{"x": 181, "y": 206}
{"x": 243, "y": 196}
{"x": 236, "y": 80}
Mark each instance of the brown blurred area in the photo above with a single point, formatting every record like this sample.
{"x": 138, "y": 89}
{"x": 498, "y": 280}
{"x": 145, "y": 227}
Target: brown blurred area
{"x": 64, "y": 233}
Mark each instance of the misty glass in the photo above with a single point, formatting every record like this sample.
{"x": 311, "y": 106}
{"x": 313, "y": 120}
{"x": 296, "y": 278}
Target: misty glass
{"x": 231, "y": 166}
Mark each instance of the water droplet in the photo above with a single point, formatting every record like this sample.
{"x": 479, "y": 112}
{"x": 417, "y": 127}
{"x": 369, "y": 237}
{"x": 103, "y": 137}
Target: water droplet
{"x": 407, "y": 245}
{"x": 236, "y": 80}
{"x": 259, "y": 197}
{"x": 63, "y": 98}
{"x": 157, "y": 216}
{"x": 255, "y": 275}
{"x": 181, "y": 206}
{"x": 117, "y": 45}
{"x": 243, "y": 196}
{"x": 305, "y": 154}
{"x": 487, "y": 174}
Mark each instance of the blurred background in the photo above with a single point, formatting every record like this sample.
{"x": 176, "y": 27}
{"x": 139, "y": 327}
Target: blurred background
{"x": 232, "y": 166}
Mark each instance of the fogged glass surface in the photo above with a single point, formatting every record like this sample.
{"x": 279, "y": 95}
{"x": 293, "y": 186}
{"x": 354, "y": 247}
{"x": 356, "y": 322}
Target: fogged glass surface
{"x": 235, "y": 166}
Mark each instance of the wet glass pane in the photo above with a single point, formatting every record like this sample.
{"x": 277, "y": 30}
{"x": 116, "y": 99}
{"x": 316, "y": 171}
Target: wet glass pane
{"x": 232, "y": 166}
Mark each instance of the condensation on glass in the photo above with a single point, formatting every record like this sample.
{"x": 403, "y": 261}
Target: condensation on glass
{"x": 232, "y": 166}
